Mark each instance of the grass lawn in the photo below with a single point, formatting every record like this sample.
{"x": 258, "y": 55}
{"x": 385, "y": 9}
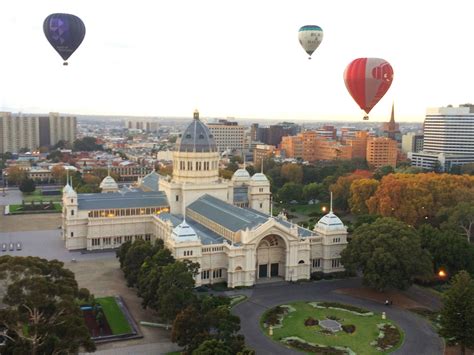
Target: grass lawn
{"x": 359, "y": 341}
{"x": 18, "y": 209}
{"x": 117, "y": 321}
{"x": 37, "y": 196}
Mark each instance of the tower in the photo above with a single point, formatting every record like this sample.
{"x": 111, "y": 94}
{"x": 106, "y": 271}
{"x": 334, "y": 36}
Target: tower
{"x": 259, "y": 192}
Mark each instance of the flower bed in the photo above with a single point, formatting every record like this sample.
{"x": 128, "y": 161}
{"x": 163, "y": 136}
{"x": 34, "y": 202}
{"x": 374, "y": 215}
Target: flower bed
{"x": 389, "y": 336}
{"x": 349, "y": 328}
{"x": 342, "y": 307}
{"x": 309, "y": 322}
{"x": 300, "y": 344}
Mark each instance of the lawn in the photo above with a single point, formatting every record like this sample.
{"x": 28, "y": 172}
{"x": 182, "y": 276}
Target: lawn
{"x": 366, "y": 329}
{"x": 38, "y": 196}
{"x": 18, "y": 209}
{"x": 117, "y": 321}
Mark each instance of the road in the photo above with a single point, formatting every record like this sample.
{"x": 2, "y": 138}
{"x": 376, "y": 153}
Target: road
{"x": 420, "y": 338}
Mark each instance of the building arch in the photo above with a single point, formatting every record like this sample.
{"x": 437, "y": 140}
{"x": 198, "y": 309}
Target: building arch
{"x": 271, "y": 256}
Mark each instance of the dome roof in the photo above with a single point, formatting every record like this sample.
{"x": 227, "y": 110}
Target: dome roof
{"x": 259, "y": 177}
{"x": 67, "y": 189}
{"x": 108, "y": 183}
{"x": 183, "y": 232}
{"x": 330, "y": 223}
{"x": 197, "y": 138}
{"x": 241, "y": 174}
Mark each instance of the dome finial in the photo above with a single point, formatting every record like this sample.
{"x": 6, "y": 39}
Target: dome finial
{"x": 196, "y": 114}
{"x": 330, "y": 206}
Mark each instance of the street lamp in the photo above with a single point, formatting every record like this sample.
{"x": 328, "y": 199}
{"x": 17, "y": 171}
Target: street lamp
{"x": 324, "y": 208}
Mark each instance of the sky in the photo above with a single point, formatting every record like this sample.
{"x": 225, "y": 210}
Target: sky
{"x": 237, "y": 59}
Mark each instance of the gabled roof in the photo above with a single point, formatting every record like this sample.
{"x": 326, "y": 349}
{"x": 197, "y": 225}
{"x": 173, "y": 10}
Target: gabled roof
{"x": 114, "y": 200}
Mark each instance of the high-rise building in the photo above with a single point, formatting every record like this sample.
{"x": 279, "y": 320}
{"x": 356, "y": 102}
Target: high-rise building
{"x": 391, "y": 129}
{"x": 381, "y": 151}
{"x": 359, "y": 144}
{"x": 148, "y": 125}
{"x": 228, "y": 135}
{"x": 262, "y": 152}
{"x": 448, "y": 138}
{"x": 33, "y": 131}
{"x": 412, "y": 142}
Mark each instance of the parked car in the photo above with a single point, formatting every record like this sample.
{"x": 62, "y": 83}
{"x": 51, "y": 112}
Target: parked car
{"x": 12, "y": 246}
{"x": 18, "y": 246}
{"x": 4, "y": 247}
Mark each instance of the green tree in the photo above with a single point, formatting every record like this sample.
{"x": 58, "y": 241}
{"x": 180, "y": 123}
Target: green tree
{"x": 459, "y": 219}
{"x": 175, "y": 289}
{"x": 290, "y": 191}
{"x": 457, "y": 315}
{"x": 213, "y": 347}
{"x": 292, "y": 173}
{"x": 389, "y": 254}
{"x": 86, "y": 144}
{"x": 27, "y": 185}
{"x": 122, "y": 251}
{"x": 134, "y": 258}
{"x": 41, "y": 314}
{"x": 449, "y": 251}
{"x": 312, "y": 191}
{"x": 382, "y": 171}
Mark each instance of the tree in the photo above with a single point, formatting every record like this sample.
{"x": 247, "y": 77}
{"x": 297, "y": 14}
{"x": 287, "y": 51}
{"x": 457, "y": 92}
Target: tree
{"x": 389, "y": 254}
{"x": 122, "y": 251}
{"x": 460, "y": 219}
{"x": 342, "y": 188}
{"x": 136, "y": 255}
{"x": 213, "y": 347}
{"x": 86, "y": 144}
{"x": 290, "y": 191}
{"x": 15, "y": 175}
{"x": 360, "y": 192}
{"x": 292, "y": 173}
{"x": 226, "y": 174}
{"x": 90, "y": 179}
{"x": 450, "y": 251}
{"x": 312, "y": 191}
{"x": 27, "y": 185}
{"x": 58, "y": 173}
{"x": 382, "y": 171}
{"x": 41, "y": 314}
{"x": 457, "y": 314}
{"x": 175, "y": 289}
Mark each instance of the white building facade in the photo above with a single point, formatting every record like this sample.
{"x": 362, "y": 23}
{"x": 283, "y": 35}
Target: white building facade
{"x": 224, "y": 225}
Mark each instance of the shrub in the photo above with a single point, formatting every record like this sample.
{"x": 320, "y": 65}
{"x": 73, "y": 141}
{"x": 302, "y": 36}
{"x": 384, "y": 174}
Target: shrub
{"x": 317, "y": 275}
{"x": 391, "y": 337}
{"x": 331, "y": 317}
{"x": 343, "y": 306}
{"x": 272, "y": 317}
{"x": 314, "y": 348}
{"x": 310, "y": 322}
{"x": 349, "y": 328}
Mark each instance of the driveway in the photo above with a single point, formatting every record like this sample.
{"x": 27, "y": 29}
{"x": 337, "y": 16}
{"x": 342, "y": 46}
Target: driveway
{"x": 420, "y": 338}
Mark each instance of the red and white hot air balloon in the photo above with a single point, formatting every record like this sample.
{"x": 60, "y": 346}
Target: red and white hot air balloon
{"x": 367, "y": 80}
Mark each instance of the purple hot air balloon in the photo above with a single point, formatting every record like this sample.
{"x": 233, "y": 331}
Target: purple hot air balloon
{"x": 65, "y": 33}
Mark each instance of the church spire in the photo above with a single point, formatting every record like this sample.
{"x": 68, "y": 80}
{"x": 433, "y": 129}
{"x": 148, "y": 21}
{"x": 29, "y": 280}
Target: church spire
{"x": 392, "y": 116}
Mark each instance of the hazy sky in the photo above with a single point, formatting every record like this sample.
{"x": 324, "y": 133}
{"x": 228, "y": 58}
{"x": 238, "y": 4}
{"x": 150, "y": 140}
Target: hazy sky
{"x": 235, "y": 58}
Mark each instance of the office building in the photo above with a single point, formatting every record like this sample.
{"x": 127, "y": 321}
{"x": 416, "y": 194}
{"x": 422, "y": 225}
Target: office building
{"x": 412, "y": 142}
{"x": 228, "y": 135}
{"x": 381, "y": 151}
{"x": 148, "y": 125}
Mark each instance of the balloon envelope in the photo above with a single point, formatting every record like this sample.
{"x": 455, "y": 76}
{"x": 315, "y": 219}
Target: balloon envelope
{"x": 64, "y": 32}
{"x": 310, "y": 38}
{"x": 367, "y": 80}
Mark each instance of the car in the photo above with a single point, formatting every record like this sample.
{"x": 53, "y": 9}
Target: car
{"x": 4, "y": 247}
{"x": 11, "y": 247}
{"x": 18, "y": 246}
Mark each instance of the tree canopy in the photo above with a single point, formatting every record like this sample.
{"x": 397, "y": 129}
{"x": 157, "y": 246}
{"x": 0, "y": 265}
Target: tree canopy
{"x": 389, "y": 254}
{"x": 86, "y": 144}
{"x": 42, "y": 315}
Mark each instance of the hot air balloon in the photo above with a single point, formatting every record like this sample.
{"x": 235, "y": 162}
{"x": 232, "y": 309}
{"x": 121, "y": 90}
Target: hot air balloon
{"x": 367, "y": 80}
{"x": 310, "y": 38}
{"x": 65, "y": 33}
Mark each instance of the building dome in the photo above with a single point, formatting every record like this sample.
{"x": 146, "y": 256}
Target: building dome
{"x": 330, "y": 223}
{"x": 197, "y": 138}
{"x": 241, "y": 174}
{"x": 259, "y": 177}
{"x": 108, "y": 184}
{"x": 67, "y": 189}
{"x": 183, "y": 232}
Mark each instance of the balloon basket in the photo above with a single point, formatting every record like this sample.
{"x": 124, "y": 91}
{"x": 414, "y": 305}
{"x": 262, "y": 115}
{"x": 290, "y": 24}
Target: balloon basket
{"x": 65, "y": 63}
{"x": 366, "y": 118}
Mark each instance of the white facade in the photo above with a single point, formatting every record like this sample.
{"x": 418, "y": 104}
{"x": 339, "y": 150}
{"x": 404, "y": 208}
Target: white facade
{"x": 449, "y": 135}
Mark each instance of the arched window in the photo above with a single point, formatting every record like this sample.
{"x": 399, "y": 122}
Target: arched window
{"x": 238, "y": 268}
{"x": 301, "y": 262}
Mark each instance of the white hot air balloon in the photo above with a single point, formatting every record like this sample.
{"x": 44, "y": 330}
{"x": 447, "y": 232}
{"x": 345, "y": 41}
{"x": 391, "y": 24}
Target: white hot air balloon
{"x": 310, "y": 38}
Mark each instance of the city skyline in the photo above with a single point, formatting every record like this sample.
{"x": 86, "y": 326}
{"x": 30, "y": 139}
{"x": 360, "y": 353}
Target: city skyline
{"x": 239, "y": 60}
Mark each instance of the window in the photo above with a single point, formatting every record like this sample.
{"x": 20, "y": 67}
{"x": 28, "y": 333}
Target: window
{"x": 260, "y": 189}
{"x": 72, "y": 200}
{"x": 205, "y": 275}
{"x": 72, "y": 234}
{"x": 128, "y": 238}
{"x": 316, "y": 262}
{"x": 336, "y": 240}
{"x": 107, "y": 241}
{"x": 261, "y": 205}
{"x": 217, "y": 274}
{"x": 95, "y": 242}
{"x": 72, "y": 212}
{"x": 336, "y": 263}
{"x": 177, "y": 198}
{"x": 188, "y": 253}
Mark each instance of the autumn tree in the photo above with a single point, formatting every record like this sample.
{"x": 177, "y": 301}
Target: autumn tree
{"x": 389, "y": 254}
{"x": 457, "y": 314}
{"x": 341, "y": 189}
{"x": 41, "y": 312}
{"x": 360, "y": 192}
{"x": 292, "y": 173}
{"x": 15, "y": 175}
{"x": 58, "y": 173}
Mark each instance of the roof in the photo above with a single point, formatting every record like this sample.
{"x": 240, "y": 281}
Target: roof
{"x": 151, "y": 180}
{"x": 183, "y": 232}
{"x": 241, "y": 174}
{"x": 259, "y": 177}
{"x": 330, "y": 223}
{"x": 229, "y": 216}
{"x": 310, "y": 28}
{"x": 196, "y": 138}
{"x": 204, "y": 234}
{"x": 108, "y": 183}
{"x": 114, "y": 200}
